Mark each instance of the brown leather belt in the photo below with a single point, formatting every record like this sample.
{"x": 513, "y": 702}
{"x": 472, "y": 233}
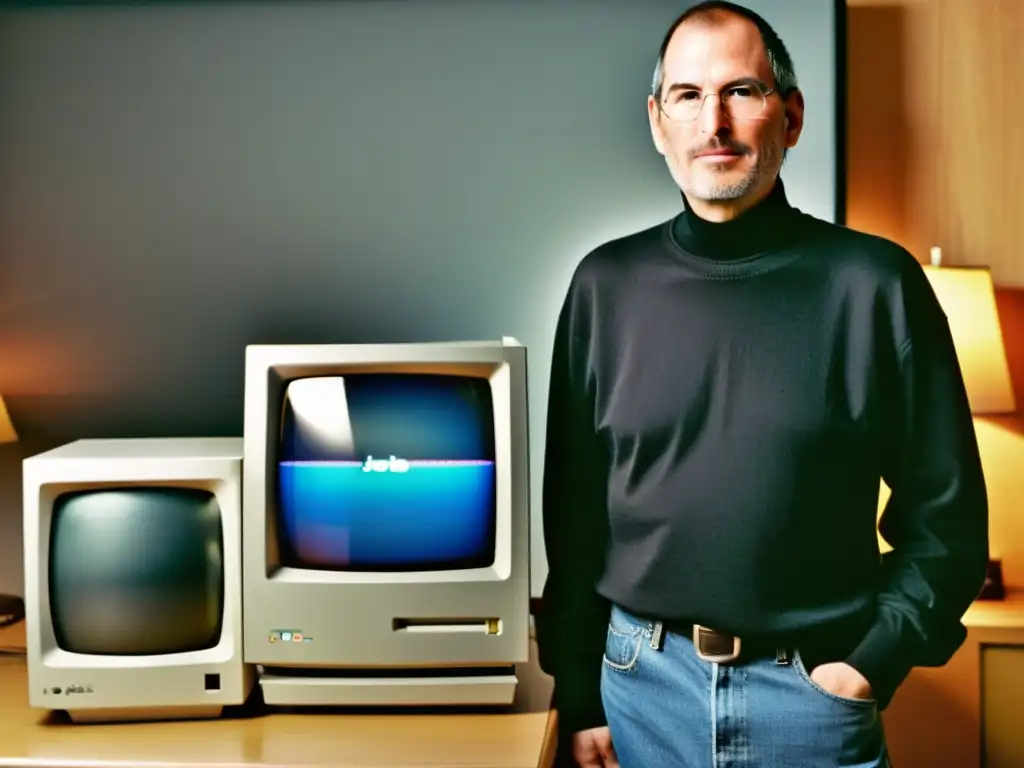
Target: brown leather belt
{"x": 713, "y": 645}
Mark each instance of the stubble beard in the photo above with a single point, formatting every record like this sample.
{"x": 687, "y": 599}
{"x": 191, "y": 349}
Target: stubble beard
{"x": 705, "y": 187}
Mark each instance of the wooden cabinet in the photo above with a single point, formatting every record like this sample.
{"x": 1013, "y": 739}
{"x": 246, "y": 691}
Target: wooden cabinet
{"x": 967, "y": 714}
{"x": 1002, "y": 706}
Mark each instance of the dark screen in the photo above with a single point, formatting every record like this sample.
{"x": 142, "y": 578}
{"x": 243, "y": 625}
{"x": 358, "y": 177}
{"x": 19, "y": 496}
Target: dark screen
{"x": 136, "y": 571}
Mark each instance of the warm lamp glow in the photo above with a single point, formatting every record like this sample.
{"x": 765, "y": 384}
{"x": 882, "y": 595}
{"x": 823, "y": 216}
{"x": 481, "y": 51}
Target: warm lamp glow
{"x": 7, "y": 433}
{"x": 968, "y": 298}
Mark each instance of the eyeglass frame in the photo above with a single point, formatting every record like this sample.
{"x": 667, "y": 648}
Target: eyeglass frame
{"x": 749, "y": 82}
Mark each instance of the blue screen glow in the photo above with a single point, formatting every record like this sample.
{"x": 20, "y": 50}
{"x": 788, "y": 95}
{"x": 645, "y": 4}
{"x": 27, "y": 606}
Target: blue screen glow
{"x": 387, "y": 472}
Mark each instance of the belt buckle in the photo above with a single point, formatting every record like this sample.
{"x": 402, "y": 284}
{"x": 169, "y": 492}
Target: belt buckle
{"x": 705, "y": 641}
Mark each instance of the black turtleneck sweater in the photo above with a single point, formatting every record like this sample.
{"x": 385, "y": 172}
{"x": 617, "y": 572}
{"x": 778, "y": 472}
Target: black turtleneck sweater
{"x": 724, "y": 400}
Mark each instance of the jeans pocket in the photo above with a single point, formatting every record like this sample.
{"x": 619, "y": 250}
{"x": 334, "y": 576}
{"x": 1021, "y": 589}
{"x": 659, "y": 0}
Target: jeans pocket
{"x": 805, "y": 676}
{"x": 622, "y": 644}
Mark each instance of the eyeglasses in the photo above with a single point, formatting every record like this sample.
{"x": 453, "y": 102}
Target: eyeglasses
{"x": 741, "y": 102}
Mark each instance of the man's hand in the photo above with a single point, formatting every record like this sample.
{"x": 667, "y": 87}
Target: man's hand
{"x": 593, "y": 748}
{"x": 841, "y": 679}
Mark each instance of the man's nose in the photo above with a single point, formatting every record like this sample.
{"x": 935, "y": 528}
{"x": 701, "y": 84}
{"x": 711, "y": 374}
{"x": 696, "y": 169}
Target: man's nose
{"x": 712, "y": 115}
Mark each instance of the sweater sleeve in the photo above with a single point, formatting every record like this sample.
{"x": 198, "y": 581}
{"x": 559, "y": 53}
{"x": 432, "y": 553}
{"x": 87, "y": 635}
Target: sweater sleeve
{"x": 936, "y": 519}
{"x": 572, "y": 625}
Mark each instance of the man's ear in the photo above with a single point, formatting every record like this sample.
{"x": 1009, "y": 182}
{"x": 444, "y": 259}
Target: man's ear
{"x": 793, "y": 120}
{"x": 654, "y": 118}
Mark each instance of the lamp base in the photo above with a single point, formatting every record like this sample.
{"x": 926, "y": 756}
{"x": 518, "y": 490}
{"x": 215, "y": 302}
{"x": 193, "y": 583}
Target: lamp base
{"x": 993, "y": 589}
{"x": 12, "y": 610}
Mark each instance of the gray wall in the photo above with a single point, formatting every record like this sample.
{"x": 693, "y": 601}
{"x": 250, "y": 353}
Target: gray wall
{"x": 179, "y": 180}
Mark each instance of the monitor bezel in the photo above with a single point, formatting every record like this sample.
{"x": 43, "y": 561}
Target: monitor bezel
{"x": 58, "y": 658}
{"x": 270, "y": 368}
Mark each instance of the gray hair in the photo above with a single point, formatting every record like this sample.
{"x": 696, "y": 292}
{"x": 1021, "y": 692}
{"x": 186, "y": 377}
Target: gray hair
{"x": 779, "y": 58}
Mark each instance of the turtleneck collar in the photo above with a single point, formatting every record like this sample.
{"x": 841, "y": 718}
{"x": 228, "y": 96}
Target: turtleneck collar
{"x": 764, "y": 227}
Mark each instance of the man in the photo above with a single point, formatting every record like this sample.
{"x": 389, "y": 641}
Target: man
{"x": 727, "y": 389}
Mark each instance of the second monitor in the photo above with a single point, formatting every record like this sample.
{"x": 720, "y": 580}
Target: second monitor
{"x": 386, "y": 522}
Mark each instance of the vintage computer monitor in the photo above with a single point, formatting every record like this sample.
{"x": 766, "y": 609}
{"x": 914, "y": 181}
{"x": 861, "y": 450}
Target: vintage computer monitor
{"x": 133, "y": 591}
{"x": 386, "y": 522}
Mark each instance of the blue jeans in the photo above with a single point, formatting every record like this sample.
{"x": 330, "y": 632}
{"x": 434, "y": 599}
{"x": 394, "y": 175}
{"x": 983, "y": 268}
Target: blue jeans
{"x": 668, "y": 708}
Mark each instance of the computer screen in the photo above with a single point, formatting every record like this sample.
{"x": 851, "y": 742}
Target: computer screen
{"x": 136, "y": 571}
{"x": 387, "y": 472}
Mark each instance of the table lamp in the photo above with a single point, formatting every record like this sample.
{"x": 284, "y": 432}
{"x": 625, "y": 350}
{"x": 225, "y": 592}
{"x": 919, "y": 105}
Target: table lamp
{"x": 7, "y": 433}
{"x": 968, "y": 298}
{"x": 12, "y": 608}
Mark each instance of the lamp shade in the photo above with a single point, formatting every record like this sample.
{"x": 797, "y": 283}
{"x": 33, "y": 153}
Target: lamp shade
{"x": 968, "y": 298}
{"x": 7, "y": 433}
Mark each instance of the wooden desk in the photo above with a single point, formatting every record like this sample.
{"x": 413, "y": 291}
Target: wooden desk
{"x": 522, "y": 738}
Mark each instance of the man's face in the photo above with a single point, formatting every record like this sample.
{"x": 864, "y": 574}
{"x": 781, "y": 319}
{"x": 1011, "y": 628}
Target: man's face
{"x": 718, "y": 160}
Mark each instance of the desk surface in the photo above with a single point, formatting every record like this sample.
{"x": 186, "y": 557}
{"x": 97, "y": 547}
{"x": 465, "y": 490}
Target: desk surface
{"x": 522, "y": 738}
{"x": 998, "y": 614}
